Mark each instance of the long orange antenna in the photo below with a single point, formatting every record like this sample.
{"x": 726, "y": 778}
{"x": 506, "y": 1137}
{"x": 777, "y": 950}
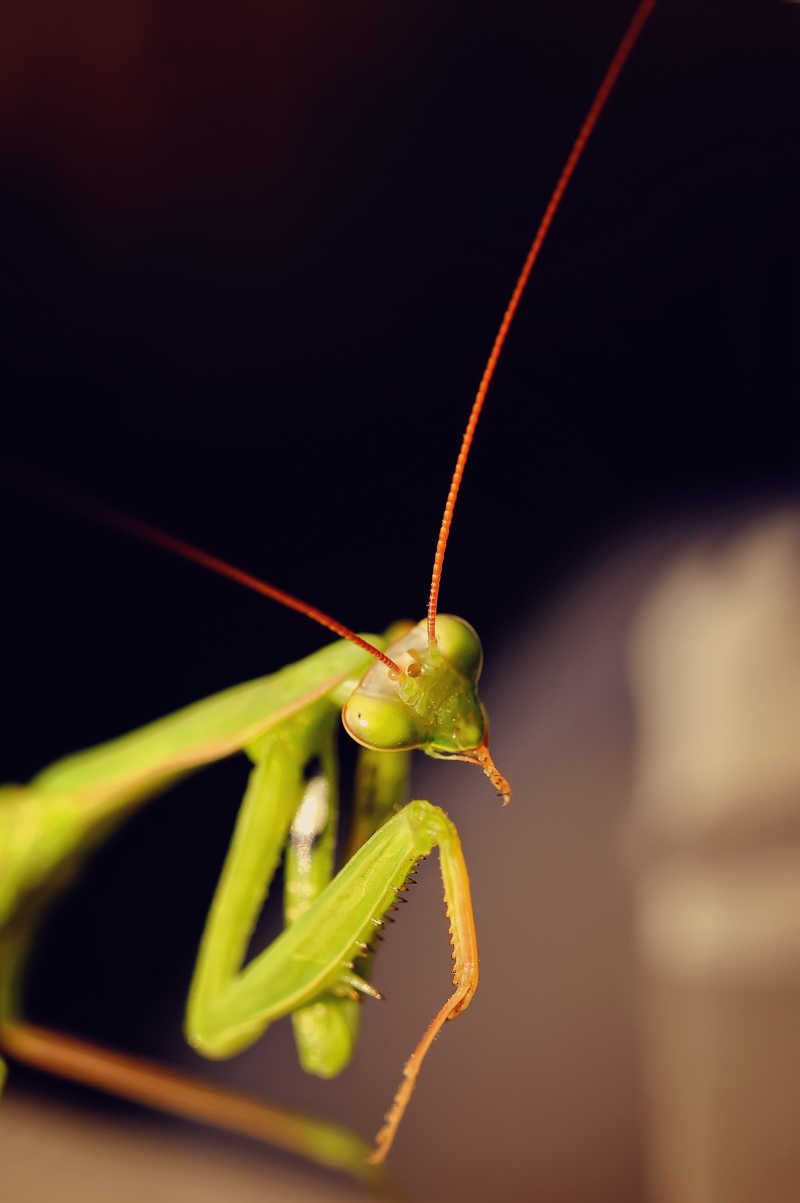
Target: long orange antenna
{"x": 152, "y": 534}
{"x": 590, "y": 120}
{"x": 187, "y": 551}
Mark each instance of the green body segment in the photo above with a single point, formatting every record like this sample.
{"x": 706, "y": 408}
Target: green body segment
{"x": 48, "y": 827}
{"x": 136, "y": 765}
{"x": 325, "y": 1029}
{"x": 381, "y": 789}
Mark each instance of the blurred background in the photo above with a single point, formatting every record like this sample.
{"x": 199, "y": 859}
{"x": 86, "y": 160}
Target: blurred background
{"x": 252, "y": 262}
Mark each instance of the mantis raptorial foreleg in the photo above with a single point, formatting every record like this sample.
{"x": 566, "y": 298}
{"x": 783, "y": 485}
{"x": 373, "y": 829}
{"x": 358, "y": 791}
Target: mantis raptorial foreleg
{"x": 229, "y": 1006}
{"x": 326, "y": 1029}
{"x": 271, "y": 800}
{"x": 279, "y": 803}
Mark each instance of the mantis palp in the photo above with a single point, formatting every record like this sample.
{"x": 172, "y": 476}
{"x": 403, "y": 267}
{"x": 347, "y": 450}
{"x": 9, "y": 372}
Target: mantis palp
{"x": 420, "y": 692}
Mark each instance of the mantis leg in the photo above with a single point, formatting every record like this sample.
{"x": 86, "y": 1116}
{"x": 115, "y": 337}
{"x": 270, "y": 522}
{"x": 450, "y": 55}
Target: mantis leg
{"x": 175, "y": 1093}
{"x": 381, "y": 789}
{"x": 229, "y": 1005}
{"x": 464, "y": 948}
{"x": 279, "y": 803}
{"x": 274, "y": 793}
{"x": 326, "y": 1029}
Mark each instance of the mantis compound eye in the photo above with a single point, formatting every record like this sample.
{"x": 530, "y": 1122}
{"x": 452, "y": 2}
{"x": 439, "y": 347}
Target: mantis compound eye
{"x": 381, "y": 722}
{"x": 459, "y": 644}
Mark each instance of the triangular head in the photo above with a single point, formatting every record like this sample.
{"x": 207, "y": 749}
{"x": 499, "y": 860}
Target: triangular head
{"x": 431, "y": 703}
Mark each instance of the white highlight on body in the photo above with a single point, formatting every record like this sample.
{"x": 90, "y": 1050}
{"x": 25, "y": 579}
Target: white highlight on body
{"x": 311, "y": 818}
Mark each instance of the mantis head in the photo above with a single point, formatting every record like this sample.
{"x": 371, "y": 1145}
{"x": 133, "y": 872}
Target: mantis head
{"x": 431, "y": 703}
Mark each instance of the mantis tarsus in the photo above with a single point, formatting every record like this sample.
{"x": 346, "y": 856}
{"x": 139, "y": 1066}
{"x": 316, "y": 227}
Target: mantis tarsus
{"x": 419, "y": 692}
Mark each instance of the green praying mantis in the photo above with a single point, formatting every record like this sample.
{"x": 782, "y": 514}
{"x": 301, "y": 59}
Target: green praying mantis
{"x": 413, "y": 687}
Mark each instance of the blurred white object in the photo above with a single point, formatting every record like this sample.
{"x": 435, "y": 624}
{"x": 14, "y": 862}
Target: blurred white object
{"x": 715, "y": 670}
{"x": 716, "y": 678}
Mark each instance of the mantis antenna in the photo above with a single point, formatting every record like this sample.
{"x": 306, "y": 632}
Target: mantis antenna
{"x": 152, "y": 534}
{"x": 584, "y": 133}
{"x": 146, "y": 533}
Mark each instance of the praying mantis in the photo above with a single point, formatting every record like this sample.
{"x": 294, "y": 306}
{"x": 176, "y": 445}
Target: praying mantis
{"x": 421, "y": 692}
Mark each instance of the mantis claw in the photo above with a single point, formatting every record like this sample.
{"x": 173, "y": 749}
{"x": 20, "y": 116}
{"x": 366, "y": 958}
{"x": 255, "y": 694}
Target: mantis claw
{"x": 354, "y": 982}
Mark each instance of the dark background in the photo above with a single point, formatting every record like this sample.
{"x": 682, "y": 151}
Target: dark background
{"x": 251, "y": 264}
